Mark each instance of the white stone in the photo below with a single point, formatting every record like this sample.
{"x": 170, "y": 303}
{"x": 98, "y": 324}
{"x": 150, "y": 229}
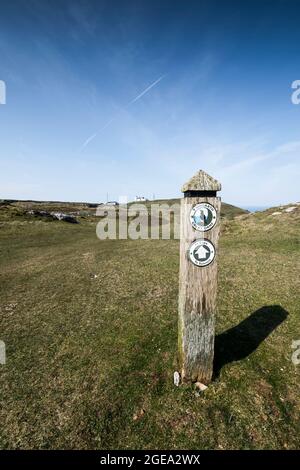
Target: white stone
{"x": 290, "y": 209}
{"x": 200, "y": 386}
{"x": 176, "y": 378}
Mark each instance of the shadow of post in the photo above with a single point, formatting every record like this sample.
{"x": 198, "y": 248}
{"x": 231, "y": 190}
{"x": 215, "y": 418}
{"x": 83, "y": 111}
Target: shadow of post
{"x": 241, "y": 340}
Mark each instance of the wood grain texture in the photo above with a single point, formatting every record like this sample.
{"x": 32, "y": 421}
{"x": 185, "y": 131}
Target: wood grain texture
{"x": 197, "y": 299}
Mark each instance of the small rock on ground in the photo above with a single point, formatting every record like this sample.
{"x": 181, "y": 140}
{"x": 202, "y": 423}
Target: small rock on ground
{"x": 200, "y": 386}
{"x": 176, "y": 378}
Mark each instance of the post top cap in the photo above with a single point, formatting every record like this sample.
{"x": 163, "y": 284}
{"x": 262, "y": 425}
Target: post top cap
{"x": 201, "y": 181}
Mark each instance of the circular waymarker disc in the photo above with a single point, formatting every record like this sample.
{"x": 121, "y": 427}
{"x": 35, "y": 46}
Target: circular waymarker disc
{"x": 203, "y": 216}
{"x": 201, "y": 252}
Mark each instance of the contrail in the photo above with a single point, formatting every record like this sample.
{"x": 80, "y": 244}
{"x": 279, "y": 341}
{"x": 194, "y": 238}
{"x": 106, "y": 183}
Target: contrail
{"x": 92, "y": 137}
{"x": 88, "y": 140}
{"x": 146, "y": 90}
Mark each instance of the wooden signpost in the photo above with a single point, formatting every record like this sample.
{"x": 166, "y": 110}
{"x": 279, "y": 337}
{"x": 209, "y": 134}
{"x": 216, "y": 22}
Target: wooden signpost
{"x": 200, "y": 223}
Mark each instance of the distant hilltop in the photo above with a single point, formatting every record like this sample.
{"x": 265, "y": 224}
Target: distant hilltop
{"x": 86, "y": 209}
{"x": 33, "y": 201}
{"x": 228, "y": 210}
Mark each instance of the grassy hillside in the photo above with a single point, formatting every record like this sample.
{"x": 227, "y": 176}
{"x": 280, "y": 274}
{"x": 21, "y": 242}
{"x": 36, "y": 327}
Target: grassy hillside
{"x": 91, "y": 332}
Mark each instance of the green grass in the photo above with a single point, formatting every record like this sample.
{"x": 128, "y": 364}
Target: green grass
{"x": 90, "y": 359}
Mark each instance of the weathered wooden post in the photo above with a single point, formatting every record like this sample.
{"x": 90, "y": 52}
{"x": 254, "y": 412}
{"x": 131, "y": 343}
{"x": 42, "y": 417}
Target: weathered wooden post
{"x": 199, "y": 233}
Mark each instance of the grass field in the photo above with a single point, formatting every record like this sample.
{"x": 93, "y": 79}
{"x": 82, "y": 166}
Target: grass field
{"x": 90, "y": 329}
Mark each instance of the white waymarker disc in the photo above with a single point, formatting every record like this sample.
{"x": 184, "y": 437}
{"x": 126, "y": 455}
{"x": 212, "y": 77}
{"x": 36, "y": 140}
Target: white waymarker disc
{"x": 201, "y": 252}
{"x": 203, "y": 216}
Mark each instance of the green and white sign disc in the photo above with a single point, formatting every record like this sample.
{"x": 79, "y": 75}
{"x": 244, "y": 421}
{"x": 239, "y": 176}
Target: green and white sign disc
{"x": 201, "y": 252}
{"x": 203, "y": 216}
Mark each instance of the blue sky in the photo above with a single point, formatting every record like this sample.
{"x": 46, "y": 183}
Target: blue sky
{"x": 79, "y": 122}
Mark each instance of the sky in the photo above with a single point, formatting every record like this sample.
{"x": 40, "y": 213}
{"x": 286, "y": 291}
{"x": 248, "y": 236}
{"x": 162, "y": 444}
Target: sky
{"x": 131, "y": 98}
